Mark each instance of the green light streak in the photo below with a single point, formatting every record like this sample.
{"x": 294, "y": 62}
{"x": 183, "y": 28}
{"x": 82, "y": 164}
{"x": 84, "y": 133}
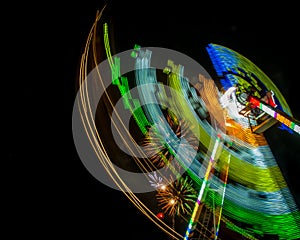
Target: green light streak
{"x": 122, "y": 83}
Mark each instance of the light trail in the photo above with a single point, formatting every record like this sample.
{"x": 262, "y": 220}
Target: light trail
{"x": 195, "y": 214}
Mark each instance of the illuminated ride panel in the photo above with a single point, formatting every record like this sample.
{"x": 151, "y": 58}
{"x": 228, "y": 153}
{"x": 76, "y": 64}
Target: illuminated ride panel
{"x": 251, "y": 87}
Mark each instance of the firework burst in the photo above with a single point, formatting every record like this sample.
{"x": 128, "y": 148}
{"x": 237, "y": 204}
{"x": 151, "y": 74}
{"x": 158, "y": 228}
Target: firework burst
{"x": 157, "y": 148}
{"x": 177, "y": 198}
{"x": 156, "y": 181}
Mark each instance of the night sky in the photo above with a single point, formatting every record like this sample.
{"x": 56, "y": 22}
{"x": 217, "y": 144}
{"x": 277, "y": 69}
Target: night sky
{"x": 266, "y": 40}
{"x": 76, "y": 202}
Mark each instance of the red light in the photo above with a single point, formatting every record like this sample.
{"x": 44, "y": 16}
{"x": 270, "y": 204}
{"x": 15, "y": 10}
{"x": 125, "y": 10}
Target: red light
{"x": 160, "y": 215}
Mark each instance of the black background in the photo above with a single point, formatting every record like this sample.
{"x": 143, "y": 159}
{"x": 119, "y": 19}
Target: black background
{"x": 55, "y": 195}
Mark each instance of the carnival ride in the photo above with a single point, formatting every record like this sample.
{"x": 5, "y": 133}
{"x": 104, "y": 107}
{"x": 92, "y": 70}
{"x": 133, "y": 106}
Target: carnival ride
{"x": 199, "y": 143}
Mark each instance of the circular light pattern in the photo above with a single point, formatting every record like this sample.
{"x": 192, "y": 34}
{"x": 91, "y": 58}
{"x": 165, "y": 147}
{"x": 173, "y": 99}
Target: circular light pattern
{"x": 219, "y": 172}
